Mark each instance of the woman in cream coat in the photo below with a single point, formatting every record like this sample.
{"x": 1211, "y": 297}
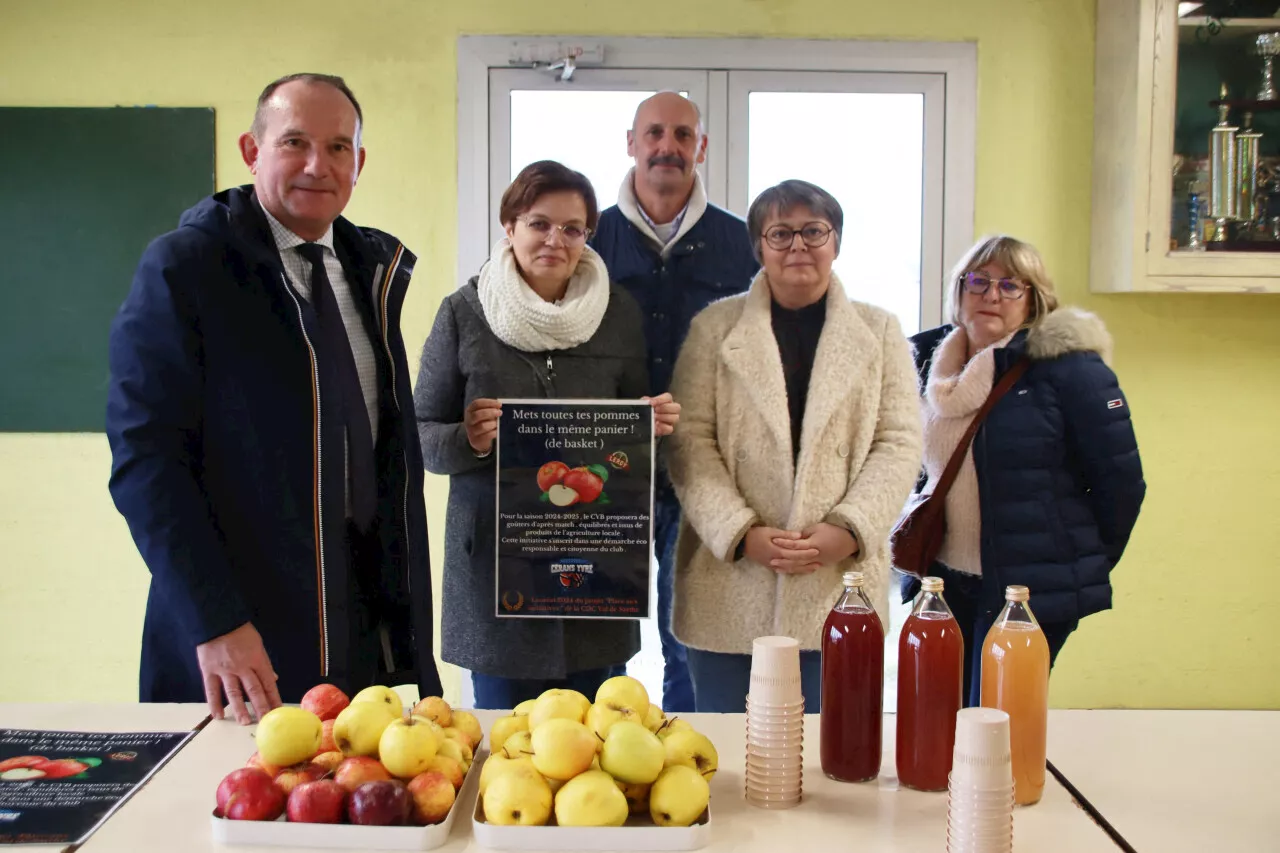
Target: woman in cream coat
{"x": 799, "y": 443}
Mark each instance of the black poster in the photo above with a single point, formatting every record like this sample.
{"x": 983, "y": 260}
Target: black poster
{"x": 58, "y": 787}
{"x": 575, "y": 509}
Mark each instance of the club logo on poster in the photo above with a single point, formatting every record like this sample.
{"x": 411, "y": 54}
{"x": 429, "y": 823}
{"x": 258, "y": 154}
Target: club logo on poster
{"x": 574, "y": 509}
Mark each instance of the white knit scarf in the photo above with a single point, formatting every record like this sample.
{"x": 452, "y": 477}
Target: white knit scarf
{"x": 954, "y": 392}
{"x": 523, "y": 319}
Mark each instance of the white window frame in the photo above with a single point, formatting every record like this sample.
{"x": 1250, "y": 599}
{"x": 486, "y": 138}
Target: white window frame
{"x": 957, "y": 62}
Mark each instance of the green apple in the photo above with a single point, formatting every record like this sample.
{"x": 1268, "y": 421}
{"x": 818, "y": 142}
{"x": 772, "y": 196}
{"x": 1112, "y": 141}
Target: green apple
{"x": 678, "y": 797}
{"x": 632, "y": 754}
{"x": 591, "y": 799}
{"x": 406, "y": 747}
{"x": 505, "y": 727}
{"x": 558, "y": 704}
{"x": 692, "y": 749}
{"x": 520, "y": 743}
{"x": 601, "y": 718}
{"x": 654, "y": 718}
{"x": 385, "y": 695}
{"x": 496, "y": 765}
{"x": 359, "y": 727}
{"x": 563, "y": 748}
{"x": 623, "y": 691}
{"x": 288, "y": 735}
{"x": 518, "y": 799}
{"x": 671, "y": 726}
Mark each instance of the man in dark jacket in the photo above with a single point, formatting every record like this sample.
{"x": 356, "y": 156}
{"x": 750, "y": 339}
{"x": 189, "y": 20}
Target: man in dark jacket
{"x": 262, "y": 430}
{"x": 675, "y": 253}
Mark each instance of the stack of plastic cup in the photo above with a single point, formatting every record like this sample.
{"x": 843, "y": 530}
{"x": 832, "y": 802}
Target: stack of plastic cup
{"x": 775, "y": 725}
{"x": 980, "y": 787}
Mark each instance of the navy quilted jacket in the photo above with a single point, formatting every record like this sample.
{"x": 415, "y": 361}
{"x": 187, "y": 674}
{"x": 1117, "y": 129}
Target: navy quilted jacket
{"x": 711, "y": 261}
{"x": 1059, "y": 477}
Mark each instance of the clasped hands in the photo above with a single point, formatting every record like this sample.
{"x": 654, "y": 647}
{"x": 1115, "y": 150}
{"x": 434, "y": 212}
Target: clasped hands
{"x": 790, "y": 552}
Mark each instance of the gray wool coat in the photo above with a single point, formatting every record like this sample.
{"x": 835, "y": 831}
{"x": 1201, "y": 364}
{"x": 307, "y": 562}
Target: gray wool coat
{"x": 461, "y": 361}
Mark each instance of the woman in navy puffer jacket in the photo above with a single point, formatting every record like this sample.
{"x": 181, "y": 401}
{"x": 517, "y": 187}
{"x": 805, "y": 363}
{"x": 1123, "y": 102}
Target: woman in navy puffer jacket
{"x": 1050, "y": 490}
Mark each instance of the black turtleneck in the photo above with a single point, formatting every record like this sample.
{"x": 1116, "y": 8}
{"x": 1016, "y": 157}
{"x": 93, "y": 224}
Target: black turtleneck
{"x": 797, "y": 333}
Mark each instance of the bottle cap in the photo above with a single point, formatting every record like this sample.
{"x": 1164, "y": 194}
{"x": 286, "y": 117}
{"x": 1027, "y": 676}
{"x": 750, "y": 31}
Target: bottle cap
{"x": 854, "y": 579}
{"x": 931, "y": 584}
{"x": 1016, "y": 593}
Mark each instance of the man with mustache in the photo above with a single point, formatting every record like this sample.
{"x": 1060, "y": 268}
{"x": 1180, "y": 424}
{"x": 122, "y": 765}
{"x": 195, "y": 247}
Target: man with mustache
{"x": 264, "y": 446}
{"x": 675, "y": 253}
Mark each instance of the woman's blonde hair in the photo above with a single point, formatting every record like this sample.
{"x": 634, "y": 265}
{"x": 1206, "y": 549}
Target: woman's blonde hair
{"x": 1023, "y": 263}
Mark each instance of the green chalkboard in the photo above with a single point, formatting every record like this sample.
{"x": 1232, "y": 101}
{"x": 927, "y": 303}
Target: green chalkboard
{"x": 82, "y": 192}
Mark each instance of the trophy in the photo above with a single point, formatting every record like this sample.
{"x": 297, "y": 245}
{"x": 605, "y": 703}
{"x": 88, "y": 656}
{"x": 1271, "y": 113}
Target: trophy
{"x": 1267, "y": 45}
{"x": 1224, "y": 178}
{"x": 1248, "y": 142}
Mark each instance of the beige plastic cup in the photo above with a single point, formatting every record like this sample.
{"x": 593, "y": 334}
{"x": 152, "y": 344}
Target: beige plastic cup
{"x": 774, "y": 708}
{"x": 775, "y": 671}
{"x": 981, "y": 758}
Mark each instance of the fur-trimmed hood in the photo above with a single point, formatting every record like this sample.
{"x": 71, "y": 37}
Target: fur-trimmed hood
{"x": 1069, "y": 330}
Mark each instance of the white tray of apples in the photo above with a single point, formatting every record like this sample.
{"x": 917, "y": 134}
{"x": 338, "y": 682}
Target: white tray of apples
{"x": 359, "y": 774}
{"x": 570, "y": 774}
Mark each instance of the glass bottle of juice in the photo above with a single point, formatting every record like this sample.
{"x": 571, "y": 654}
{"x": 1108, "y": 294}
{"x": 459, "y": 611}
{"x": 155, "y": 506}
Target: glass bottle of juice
{"x": 1015, "y": 679}
{"x": 852, "y": 686}
{"x": 930, "y": 681}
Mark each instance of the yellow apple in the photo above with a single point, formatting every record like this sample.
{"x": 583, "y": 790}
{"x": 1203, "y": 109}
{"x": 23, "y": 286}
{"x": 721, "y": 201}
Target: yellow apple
{"x": 623, "y": 691}
{"x": 433, "y": 795}
{"x": 558, "y": 704}
{"x": 591, "y": 799}
{"x": 385, "y": 695}
{"x": 360, "y": 726}
{"x": 678, "y": 797}
{"x": 466, "y": 722}
{"x": 563, "y": 748}
{"x": 601, "y": 718}
{"x": 435, "y": 708}
{"x": 654, "y": 718}
{"x": 671, "y": 726}
{"x": 692, "y": 749}
{"x": 516, "y": 745}
{"x": 523, "y": 709}
{"x": 407, "y": 747}
{"x": 637, "y": 796}
{"x": 288, "y": 735}
{"x": 450, "y": 748}
{"x": 496, "y": 765}
{"x": 435, "y": 727}
{"x": 518, "y": 799}
{"x": 632, "y": 754}
{"x": 503, "y": 728}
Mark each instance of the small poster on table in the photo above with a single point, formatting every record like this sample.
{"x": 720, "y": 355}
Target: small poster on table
{"x": 575, "y": 509}
{"x": 58, "y": 787}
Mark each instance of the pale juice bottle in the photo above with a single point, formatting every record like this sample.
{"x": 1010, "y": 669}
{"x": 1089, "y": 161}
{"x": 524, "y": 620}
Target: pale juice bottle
{"x": 1015, "y": 679}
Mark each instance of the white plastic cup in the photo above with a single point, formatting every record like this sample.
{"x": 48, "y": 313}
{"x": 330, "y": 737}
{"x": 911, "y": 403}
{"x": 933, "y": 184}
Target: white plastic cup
{"x": 775, "y": 671}
{"x": 981, "y": 759}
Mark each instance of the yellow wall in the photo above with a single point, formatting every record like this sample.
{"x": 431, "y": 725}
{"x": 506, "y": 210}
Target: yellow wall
{"x": 1189, "y": 629}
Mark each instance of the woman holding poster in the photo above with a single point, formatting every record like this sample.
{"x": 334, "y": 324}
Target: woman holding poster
{"x": 540, "y": 321}
{"x": 799, "y": 445}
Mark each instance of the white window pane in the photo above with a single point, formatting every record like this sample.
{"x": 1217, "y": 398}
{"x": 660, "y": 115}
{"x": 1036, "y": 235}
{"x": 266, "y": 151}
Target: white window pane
{"x": 583, "y": 129}
{"x": 867, "y": 150}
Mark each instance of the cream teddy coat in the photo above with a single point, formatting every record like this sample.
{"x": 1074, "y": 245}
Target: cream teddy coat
{"x": 731, "y": 464}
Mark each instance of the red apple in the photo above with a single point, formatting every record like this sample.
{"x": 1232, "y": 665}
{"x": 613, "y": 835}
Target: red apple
{"x": 380, "y": 804}
{"x": 61, "y": 768}
{"x": 325, "y": 701}
{"x": 249, "y": 794}
{"x": 550, "y": 474}
{"x": 433, "y": 795}
{"x": 327, "y": 743}
{"x": 355, "y": 771}
{"x": 291, "y": 777}
{"x": 21, "y": 761}
{"x": 323, "y": 801}
{"x": 586, "y": 483}
{"x": 255, "y": 760}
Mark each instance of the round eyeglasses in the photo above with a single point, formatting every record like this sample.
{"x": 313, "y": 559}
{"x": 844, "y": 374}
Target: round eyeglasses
{"x": 814, "y": 234}
{"x": 979, "y": 283}
{"x": 573, "y": 234}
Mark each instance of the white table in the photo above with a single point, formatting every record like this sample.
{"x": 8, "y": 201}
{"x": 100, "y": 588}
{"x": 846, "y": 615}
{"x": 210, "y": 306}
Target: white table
{"x": 1174, "y": 781}
{"x": 172, "y": 813}
{"x": 85, "y": 717}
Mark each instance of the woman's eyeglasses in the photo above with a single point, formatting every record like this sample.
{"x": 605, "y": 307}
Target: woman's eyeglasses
{"x": 978, "y": 284}
{"x": 814, "y": 234}
{"x": 572, "y": 234}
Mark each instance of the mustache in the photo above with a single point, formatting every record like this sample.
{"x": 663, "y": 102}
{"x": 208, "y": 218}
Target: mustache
{"x": 667, "y": 160}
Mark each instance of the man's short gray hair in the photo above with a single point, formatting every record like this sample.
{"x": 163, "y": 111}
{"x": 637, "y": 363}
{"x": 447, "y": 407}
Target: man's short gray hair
{"x": 788, "y": 195}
